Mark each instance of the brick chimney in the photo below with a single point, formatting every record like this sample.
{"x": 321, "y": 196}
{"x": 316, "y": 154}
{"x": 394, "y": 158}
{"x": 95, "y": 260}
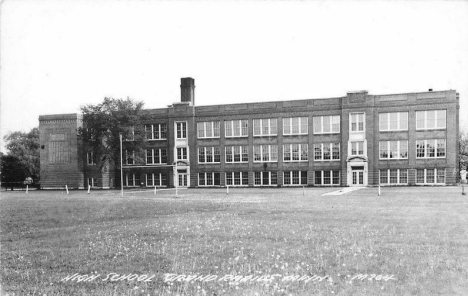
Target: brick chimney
{"x": 187, "y": 90}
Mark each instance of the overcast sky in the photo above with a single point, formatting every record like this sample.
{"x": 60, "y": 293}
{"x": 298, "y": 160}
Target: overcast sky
{"x": 59, "y": 55}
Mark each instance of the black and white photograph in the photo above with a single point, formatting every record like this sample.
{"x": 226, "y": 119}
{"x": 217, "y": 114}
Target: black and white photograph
{"x": 233, "y": 147}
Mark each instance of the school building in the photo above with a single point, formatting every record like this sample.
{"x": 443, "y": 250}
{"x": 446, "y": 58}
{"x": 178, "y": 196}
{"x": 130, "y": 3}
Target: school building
{"x": 356, "y": 140}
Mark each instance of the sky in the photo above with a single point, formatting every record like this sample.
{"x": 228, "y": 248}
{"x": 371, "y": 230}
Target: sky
{"x": 56, "y": 56}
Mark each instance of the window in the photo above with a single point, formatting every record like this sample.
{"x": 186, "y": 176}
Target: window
{"x": 129, "y": 157}
{"x": 181, "y": 128}
{"x": 209, "y": 179}
{"x": 265, "y": 178}
{"x": 265, "y": 127}
{"x": 156, "y": 180}
{"x": 434, "y": 148}
{"x": 209, "y": 155}
{"x": 237, "y": 178}
{"x": 395, "y": 121}
{"x": 326, "y": 124}
{"x": 90, "y": 160}
{"x": 156, "y": 156}
{"x": 132, "y": 180}
{"x": 295, "y": 126}
{"x": 327, "y": 151}
{"x": 92, "y": 182}
{"x": 393, "y": 149}
{"x": 182, "y": 153}
{"x": 265, "y": 153}
{"x": 236, "y": 128}
{"x": 295, "y": 152}
{"x": 357, "y": 148}
{"x": 430, "y": 176}
{"x": 357, "y": 122}
{"x": 209, "y": 129}
{"x": 327, "y": 178}
{"x": 156, "y": 131}
{"x": 432, "y": 119}
{"x": 394, "y": 176}
{"x": 295, "y": 178}
{"x": 237, "y": 154}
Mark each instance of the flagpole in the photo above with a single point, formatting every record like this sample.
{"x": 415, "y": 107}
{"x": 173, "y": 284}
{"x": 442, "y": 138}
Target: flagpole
{"x": 121, "y": 167}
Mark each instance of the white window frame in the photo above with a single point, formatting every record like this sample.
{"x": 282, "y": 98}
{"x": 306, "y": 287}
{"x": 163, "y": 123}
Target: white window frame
{"x": 355, "y": 116}
{"x": 301, "y": 124}
{"x": 331, "y": 145}
{"x": 259, "y": 122}
{"x": 153, "y": 156}
{"x": 320, "y": 130}
{"x": 133, "y": 179}
{"x": 212, "y": 126}
{"x": 322, "y": 178}
{"x": 300, "y": 146}
{"x": 183, "y": 129}
{"x": 231, "y": 148}
{"x": 269, "y": 153}
{"x": 132, "y": 157}
{"x": 182, "y": 149}
{"x": 205, "y": 176}
{"x": 229, "y": 129}
{"x": 156, "y": 127}
{"x": 212, "y": 149}
{"x": 357, "y": 144}
{"x": 388, "y": 177}
{"x": 436, "y": 116}
{"x": 291, "y": 176}
{"x": 398, "y": 149}
{"x": 242, "y": 176}
{"x": 436, "y": 171}
{"x": 270, "y": 173}
{"x": 92, "y": 182}
{"x": 153, "y": 179}
{"x": 90, "y": 158}
{"x": 400, "y": 116}
{"x": 436, "y": 142}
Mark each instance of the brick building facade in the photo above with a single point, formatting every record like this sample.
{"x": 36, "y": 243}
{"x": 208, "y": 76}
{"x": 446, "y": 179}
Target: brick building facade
{"x": 355, "y": 140}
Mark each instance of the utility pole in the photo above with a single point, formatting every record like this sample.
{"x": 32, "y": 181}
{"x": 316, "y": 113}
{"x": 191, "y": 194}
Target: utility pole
{"x": 121, "y": 167}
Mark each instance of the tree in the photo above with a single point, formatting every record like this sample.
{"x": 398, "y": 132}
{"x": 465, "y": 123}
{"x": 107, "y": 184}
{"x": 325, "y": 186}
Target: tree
{"x": 23, "y": 152}
{"x": 13, "y": 171}
{"x": 463, "y": 149}
{"x": 102, "y": 125}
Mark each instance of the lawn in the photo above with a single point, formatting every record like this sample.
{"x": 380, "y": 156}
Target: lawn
{"x": 408, "y": 241}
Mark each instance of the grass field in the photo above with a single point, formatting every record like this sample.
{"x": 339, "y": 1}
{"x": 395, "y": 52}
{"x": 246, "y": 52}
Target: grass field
{"x": 409, "y": 241}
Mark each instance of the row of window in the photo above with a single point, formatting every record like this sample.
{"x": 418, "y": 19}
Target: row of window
{"x": 392, "y": 121}
{"x": 386, "y": 177}
{"x": 433, "y": 148}
{"x": 423, "y": 176}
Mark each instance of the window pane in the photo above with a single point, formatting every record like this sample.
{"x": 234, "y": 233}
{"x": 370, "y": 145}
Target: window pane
{"x": 431, "y": 119}
{"x": 245, "y": 127}
{"x": 256, "y": 123}
{"x": 383, "y": 149}
{"x": 304, "y": 125}
{"x": 336, "y": 151}
{"x": 295, "y": 125}
{"x": 228, "y": 128}
{"x": 336, "y": 124}
{"x": 420, "y": 119}
{"x": 441, "y": 118}
{"x": 420, "y": 148}
{"x": 318, "y": 177}
{"x": 441, "y": 176}
{"x": 286, "y": 126}
{"x": 393, "y": 176}
{"x": 430, "y": 148}
{"x": 393, "y": 149}
{"x": 201, "y": 129}
{"x": 304, "y": 152}
{"x": 441, "y": 148}
{"x": 326, "y": 177}
{"x": 383, "y": 177}
{"x": 318, "y": 151}
{"x": 286, "y": 152}
{"x": 336, "y": 177}
{"x": 326, "y": 124}
{"x": 430, "y": 176}
{"x": 326, "y": 151}
{"x": 383, "y": 121}
{"x": 265, "y": 127}
{"x": 403, "y": 149}
{"x": 304, "y": 177}
{"x": 403, "y": 120}
{"x": 420, "y": 176}
{"x": 403, "y": 176}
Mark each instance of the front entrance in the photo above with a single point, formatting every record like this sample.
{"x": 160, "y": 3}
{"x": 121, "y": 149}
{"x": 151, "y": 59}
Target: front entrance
{"x": 183, "y": 177}
{"x": 357, "y": 171}
{"x": 358, "y": 177}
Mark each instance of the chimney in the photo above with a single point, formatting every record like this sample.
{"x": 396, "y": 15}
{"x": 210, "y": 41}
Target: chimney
{"x": 187, "y": 90}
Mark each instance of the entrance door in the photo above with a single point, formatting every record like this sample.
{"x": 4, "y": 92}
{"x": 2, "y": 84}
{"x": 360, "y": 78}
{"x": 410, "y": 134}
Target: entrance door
{"x": 358, "y": 177}
{"x": 183, "y": 179}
